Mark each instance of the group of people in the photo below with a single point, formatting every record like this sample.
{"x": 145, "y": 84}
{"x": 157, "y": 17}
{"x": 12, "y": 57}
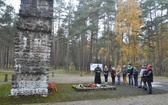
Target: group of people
{"x": 146, "y": 75}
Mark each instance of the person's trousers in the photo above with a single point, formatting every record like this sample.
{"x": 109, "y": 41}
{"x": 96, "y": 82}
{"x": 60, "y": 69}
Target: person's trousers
{"x": 124, "y": 79}
{"x": 130, "y": 79}
{"x": 106, "y": 78}
{"x": 140, "y": 84}
{"x": 118, "y": 78}
{"x": 113, "y": 80}
{"x": 149, "y": 86}
{"x": 135, "y": 80}
{"x": 145, "y": 85}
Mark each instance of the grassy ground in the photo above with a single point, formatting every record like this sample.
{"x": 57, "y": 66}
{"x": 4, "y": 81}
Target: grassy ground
{"x": 67, "y": 93}
{"x": 3, "y": 73}
{"x": 9, "y": 72}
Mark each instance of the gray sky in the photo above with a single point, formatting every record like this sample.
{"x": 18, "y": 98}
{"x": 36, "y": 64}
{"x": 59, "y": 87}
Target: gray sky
{"x": 15, "y": 4}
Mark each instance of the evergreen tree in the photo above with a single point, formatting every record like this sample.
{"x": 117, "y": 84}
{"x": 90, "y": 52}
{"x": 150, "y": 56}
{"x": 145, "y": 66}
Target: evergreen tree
{"x": 7, "y": 31}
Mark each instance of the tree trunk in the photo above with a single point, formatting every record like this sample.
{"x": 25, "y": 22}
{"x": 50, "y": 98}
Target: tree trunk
{"x": 68, "y": 39}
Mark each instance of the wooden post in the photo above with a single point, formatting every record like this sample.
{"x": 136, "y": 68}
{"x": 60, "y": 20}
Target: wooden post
{"x": 52, "y": 74}
{"x": 6, "y": 78}
{"x": 81, "y": 74}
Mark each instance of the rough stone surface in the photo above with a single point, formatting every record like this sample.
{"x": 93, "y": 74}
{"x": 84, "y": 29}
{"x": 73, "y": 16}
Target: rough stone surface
{"x": 32, "y": 48}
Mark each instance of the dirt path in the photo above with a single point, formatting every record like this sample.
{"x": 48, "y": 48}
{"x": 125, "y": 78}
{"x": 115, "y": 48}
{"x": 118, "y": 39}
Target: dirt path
{"x": 138, "y": 100}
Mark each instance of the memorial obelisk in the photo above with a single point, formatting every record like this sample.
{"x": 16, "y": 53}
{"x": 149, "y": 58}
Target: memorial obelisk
{"x": 32, "y": 48}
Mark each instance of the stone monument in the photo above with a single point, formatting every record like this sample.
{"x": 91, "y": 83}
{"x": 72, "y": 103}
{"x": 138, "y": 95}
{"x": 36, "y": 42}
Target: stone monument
{"x": 32, "y": 48}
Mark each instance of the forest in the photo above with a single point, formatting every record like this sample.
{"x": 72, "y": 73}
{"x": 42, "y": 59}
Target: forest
{"x": 110, "y": 32}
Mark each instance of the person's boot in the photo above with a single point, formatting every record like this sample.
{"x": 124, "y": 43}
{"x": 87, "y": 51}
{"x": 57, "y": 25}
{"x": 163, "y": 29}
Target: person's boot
{"x": 150, "y": 91}
{"x": 139, "y": 86}
{"x": 144, "y": 88}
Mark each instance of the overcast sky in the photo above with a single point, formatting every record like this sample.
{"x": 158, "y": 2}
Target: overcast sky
{"x": 15, "y": 4}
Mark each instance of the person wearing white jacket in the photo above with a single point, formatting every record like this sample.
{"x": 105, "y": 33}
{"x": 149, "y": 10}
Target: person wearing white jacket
{"x": 141, "y": 76}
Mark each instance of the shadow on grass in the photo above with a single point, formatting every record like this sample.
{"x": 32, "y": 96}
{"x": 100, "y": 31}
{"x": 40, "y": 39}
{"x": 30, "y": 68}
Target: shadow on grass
{"x": 67, "y": 93}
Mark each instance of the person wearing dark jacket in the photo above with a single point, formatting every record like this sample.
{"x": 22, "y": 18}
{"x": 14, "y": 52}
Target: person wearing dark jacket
{"x": 130, "y": 73}
{"x": 135, "y": 74}
{"x": 105, "y": 72}
{"x": 97, "y": 71}
{"x": 113, "y": 74}
{"x": 149, "y": 78}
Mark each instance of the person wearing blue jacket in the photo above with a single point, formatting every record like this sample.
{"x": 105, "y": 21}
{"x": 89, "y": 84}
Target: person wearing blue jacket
{"x": 135, "y": 75}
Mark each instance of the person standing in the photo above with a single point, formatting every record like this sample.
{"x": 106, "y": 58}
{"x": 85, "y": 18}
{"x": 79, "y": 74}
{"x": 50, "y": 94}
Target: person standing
{"x": 149, "y": 78}
{"x": 135, "y": 74}
{"x": 118, "y": 73}
{"x": 141, "y": 76}
{"x": 97, "y": 71}
{"x": 144, "y": 79}
{"x": 113, "y": 74}
{"x": 105, "y": 72}
{"x": 130, "y": 72}
{"x": 124, "y": 74}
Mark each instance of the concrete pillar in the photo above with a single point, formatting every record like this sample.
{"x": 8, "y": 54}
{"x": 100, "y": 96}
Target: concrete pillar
{"x": 32, "y": 48}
